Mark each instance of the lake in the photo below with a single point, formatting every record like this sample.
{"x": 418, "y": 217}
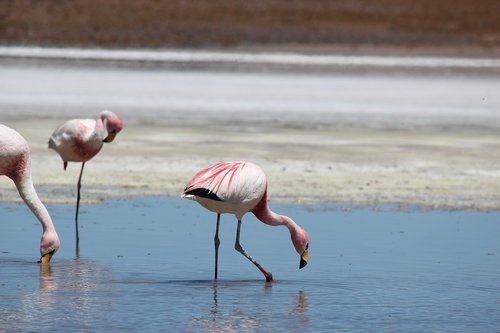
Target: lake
{"x": 146, "y": 265}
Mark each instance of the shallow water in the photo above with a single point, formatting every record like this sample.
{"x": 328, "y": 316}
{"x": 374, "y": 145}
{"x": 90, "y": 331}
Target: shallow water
{"x": 147, "y": 265}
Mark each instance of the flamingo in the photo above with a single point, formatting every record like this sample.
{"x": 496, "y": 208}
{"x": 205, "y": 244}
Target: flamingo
{"x": 238, "y": 188}
{"x": 78, "y": 140}
{"x": 15, "y": 163}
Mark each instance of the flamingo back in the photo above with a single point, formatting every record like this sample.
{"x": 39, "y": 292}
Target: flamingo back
{"x": 77, "y": 140}
{"x": 234, "y": 187}
{"x": 14, "y": 153}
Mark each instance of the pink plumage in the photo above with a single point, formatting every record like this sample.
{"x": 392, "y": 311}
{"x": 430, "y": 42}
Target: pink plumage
{"x": 78, "y": 140}
{"x": 15, "y": 163}
{"x": 238, "y": 188}
{"x": 213, "y": 177}
{"x": 231, "y": 187}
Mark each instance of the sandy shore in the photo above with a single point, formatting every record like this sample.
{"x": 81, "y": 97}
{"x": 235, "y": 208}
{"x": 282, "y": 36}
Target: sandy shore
{"x": 452, "y": 169}
{"x": 179, "y": 122}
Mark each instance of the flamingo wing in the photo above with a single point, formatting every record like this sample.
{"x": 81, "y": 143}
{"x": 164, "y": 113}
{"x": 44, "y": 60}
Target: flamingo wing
{"x": 71, "y": 130}
{"x": 214, "y": 182}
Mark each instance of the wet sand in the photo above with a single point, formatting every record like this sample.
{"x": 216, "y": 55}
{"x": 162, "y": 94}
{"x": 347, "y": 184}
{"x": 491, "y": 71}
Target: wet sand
{"x": 434, "y": 144}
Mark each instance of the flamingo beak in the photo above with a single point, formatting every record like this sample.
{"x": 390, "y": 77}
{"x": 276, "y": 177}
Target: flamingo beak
{"x": 45, "y": 259}
{"x": 304, "y": 258}
{"x": 110, "y": 137}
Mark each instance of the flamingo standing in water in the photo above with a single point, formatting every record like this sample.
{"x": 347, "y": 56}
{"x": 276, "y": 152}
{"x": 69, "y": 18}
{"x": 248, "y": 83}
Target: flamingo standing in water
{"x": 238, "y": 188}
{"x": 15, "y": 163}
{"x": 78, "y": 140}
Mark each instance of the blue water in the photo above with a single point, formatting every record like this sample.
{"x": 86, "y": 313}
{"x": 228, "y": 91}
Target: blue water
{"x": 146, "y": 265}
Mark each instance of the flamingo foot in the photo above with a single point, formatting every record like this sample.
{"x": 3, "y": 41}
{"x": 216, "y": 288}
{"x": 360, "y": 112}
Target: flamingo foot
{"x": 269, "y": 277}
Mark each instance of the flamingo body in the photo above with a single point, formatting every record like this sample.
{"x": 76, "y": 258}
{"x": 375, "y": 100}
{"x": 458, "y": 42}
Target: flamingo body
{"x": 78, "y": 140}
{"x": 15, "y": 163}
{"x": 238, "y": 188}
{"x": 234, "y": 187}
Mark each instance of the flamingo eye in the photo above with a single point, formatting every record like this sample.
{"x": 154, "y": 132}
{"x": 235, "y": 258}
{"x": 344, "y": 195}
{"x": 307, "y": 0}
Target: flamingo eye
{"x": 307, "y": 246}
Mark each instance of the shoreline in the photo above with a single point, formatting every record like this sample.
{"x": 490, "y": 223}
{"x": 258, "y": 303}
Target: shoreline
{"x": 406, "y": 168}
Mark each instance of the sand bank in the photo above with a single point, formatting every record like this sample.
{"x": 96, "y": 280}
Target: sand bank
{"x": 455, "y": 169}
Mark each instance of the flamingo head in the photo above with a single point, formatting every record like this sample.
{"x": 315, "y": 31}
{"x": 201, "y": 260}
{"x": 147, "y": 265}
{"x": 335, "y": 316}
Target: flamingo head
{"x": 113, "y": 124}
{"x": 300, "y": 240}
{"x": 49, "y": 244}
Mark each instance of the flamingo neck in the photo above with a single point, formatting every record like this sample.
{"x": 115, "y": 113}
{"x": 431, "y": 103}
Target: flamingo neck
{"x": 99, "y": 129}
{"x": 267, "y": 216}
{"x": 27, "y": 192}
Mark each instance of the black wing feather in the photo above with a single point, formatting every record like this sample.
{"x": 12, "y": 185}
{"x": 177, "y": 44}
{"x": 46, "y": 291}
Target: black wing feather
{"x": 204, "y": 193}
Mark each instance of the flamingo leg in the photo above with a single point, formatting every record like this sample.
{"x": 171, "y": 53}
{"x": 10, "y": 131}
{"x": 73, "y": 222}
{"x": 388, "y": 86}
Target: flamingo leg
{"x": 79, "y": 186}
{"x": 239, "y": 248}
{"x": 216, "y": 244}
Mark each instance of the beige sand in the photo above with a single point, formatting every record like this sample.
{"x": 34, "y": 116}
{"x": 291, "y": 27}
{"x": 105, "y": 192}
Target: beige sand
{"x": 454, "y": 168}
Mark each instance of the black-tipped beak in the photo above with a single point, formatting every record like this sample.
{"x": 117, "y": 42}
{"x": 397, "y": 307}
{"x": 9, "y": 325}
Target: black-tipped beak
{"x": 304, "y": 258}
{"x": 110, "y": 137}
{"x": 45, "y": 259}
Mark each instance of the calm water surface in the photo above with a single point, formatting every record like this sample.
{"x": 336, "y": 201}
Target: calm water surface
{"x": 146, "y": 265}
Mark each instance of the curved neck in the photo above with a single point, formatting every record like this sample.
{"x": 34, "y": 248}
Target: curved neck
{"x": 27, "y": 192}
{"x": 266, "y": 215}
{"x": 99, "y": 129}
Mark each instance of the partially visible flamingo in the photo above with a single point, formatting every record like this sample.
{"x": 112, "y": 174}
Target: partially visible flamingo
{"x": 238, "y": 188}
{"x": 15, "y": 163}
{"x": 78, "y": 140}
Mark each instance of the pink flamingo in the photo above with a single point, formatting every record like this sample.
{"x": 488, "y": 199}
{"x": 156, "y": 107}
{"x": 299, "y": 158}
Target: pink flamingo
{"x": 78, "y": 140}
{"x": 15, "y": 163}
{"x": 238, "y": 188}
